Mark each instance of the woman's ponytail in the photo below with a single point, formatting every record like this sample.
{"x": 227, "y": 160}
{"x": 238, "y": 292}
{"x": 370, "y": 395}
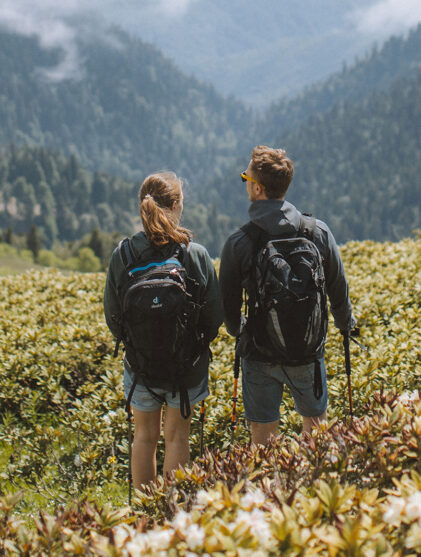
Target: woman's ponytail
{"x": 157, "y": 196}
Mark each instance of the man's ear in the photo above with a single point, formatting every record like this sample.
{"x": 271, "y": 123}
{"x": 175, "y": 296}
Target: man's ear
{"x": 259, "y": 189}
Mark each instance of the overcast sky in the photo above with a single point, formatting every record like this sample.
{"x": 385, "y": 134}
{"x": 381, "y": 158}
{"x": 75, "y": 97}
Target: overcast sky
{"x": 51, "y": 20}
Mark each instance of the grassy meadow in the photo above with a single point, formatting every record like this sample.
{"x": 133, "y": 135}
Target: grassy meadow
{"x": 353, "y": 488}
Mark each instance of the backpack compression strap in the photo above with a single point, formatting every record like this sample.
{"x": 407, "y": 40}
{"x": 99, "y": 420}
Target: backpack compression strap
{"x": 128, "y": 258}
{"x": 307, "y": 227}
{"x": 126, "y": 253}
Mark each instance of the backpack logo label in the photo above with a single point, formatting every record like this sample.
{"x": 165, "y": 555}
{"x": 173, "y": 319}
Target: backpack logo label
{"x": 155, "y": 303}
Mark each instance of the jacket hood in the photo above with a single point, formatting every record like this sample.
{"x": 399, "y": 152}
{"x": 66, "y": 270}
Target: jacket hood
{"x": 275, "y": 216}
{"x": 143, "y": 250}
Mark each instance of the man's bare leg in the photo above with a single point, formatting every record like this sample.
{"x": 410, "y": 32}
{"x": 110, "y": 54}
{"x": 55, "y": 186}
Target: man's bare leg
{"x": 310, "y": 423}
{"x": 261, "y": 433}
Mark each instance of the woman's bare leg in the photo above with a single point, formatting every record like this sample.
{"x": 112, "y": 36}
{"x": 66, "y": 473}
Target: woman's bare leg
{"x": 176, "y": 435}
{"x": 147, "y": 430}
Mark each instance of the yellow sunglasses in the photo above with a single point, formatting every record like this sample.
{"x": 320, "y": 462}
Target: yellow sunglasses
{"x": 245, "y": 177}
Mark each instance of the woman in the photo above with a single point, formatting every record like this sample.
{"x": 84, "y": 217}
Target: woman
{"x": 161, "y": 206}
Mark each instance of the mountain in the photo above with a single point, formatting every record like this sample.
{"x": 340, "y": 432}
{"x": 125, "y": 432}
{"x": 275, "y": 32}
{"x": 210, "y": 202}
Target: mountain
{"x": 256, "y": 51}
{"x": 131, "y": 111}
{"x": 397, "y": 58}
{"x": 356, "y": 145}
{"x": 359, "y": 165}
{"x": 354, "y": 140}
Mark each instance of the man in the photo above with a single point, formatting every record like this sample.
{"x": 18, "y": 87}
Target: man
{"x": 268, "y": 177}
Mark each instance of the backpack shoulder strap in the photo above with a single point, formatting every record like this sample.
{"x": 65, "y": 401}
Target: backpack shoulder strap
{"x": 253, "y": 231}
{"x": 182, "y": 253}
{"x": 307, "y": 227}
{"x": 257, "y": 235}
{"x": 126, "y": 253}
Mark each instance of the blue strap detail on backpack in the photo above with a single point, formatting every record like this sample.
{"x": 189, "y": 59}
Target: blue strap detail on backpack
{"x": 149, "y": 265}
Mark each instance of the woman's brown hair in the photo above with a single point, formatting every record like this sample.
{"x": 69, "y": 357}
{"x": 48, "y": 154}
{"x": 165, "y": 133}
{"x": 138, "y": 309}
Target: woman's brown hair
{"x": 157, "y": 196}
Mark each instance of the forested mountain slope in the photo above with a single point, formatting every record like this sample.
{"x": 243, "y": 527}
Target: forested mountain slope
{"x": 357, "y": 154}
{"x": 132, "y": 111}
{"x": 355, "y": 142}
{"x": 398, "y": 58}
{"x": 359, "y": 165}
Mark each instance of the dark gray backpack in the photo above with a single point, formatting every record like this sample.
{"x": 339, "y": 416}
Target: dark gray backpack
{"x": 287, "y": 306}
{"x": 159, "y": 320}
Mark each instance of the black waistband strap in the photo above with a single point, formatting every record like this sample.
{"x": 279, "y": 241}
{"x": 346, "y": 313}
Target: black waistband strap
{"x": 317, "y": 385}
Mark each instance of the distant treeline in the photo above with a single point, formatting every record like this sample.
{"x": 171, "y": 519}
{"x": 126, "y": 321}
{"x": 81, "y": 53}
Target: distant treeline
{"x": 66, "y": 203}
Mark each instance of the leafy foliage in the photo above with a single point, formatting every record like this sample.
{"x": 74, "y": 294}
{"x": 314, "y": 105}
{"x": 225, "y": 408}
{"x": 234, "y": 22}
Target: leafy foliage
{"x": 350, "y": 488}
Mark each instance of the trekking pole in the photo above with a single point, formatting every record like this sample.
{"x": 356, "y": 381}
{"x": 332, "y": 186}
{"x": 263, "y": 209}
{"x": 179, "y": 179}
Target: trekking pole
{"x": 350, "y": 335}
{"x": 346, "y": 335}
{"x": 234, "y": 395}
{"x": 202, "y": 421}
{"x": 130, "y": 476}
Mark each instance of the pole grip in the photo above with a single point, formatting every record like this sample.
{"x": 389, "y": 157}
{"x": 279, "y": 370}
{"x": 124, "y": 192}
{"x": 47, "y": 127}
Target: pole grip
{"x": 202, "y": 421}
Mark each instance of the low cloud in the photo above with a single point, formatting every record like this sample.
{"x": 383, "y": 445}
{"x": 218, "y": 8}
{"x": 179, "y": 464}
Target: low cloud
{"x": 387, "y": 17}
{"x": 47, "y": 21}
{"x": 174, "y": 7}
{"x": 60, "y": 24}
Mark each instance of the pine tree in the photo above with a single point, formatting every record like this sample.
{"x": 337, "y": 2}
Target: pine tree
{"x": 8, "y": 237}
{"x": 96, "y": 243}
{"x": 33, "y": 240}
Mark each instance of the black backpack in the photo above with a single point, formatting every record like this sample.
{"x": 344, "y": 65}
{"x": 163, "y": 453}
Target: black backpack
{"x": 160, "y": 322}
{"x": 287, "y": 306}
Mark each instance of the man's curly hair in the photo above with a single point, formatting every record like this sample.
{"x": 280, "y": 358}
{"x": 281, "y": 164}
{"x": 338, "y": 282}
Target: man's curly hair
{"x": 273, "y": 170}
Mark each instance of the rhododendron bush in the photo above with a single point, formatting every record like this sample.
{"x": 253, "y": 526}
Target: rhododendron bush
{"x": 352, "y": 488}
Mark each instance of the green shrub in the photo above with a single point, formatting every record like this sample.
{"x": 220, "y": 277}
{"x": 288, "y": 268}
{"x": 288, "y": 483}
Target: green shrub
{"x": 353, "y": 488}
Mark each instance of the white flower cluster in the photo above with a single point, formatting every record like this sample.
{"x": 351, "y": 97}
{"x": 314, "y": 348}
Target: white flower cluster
{"x": 255, "y": 521}
{"x": 401, "y": 508}
{"x": 254, "y": 498}
{"x": 157, "y": 542}
{"x": 407, "y": 397}
{"x": 182, "y": 527}
{"x": 108, "y": 418}
{"x": 205, "y": 498}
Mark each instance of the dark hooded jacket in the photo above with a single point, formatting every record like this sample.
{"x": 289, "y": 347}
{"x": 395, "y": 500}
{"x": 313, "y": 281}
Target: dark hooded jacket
{"x": 279, "y": 218}
{"x": 199, "y": 266}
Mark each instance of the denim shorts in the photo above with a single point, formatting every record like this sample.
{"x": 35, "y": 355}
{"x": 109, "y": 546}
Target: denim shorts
{"x": 263, "y": 387}
{"x": 144, "y": 401}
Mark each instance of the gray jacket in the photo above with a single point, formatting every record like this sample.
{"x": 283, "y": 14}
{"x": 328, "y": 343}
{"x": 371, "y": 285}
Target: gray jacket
{"x": 199, "y": 266}
{"x": 280, "y": 218}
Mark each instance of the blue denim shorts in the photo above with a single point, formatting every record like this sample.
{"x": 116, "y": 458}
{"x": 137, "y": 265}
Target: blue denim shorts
{"x": 263, "y": 387}
{"x": 144, "y": 401}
